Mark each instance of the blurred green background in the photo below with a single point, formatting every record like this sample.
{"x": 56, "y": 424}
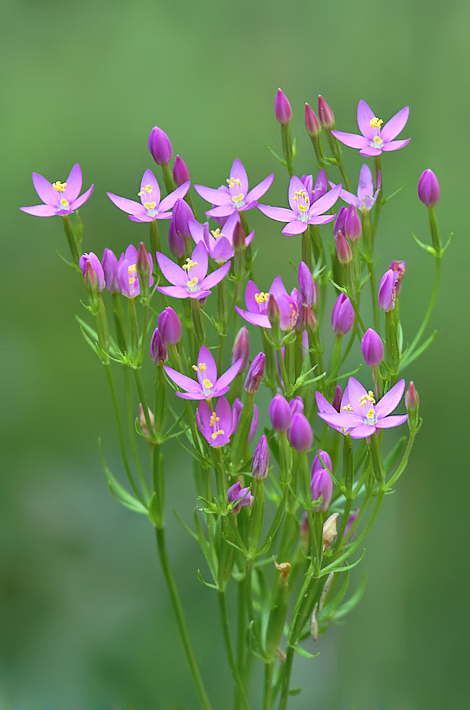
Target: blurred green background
{"x": 85, "y": 620}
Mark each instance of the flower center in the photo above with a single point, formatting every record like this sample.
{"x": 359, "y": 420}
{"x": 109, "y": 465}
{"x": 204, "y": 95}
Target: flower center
{"x": 215, "y": 434}
{"x": 59, "y": 186}
{"x": 214, "y": 418}
{"x": 377, "y": 142}
{"x": 294, "y": 314}
{"x": 238, "y": 199}
{"x": 64, "y": 202}
{"x": 207, "y": 384}
{"x": 347, "y": 408}
{"x": 150, "y": 205}
{"x": 131, "y": 274}
{"x": 192, "y": 284}
{"x": 376, "y": 122}
{"x": 303, "y": 203}
{"x": 261, "y": 297}
{"x": 190, "y": 264}
{"x": 370, "y": 416}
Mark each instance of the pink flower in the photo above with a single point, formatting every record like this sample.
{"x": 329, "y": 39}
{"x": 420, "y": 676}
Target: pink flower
{"x": 190, "y": 280}
{"x": 374, "y": 138}
{"x": 207, "y": 385}
{"x": 59, "y": 198}
{"x": 150, "y": 207}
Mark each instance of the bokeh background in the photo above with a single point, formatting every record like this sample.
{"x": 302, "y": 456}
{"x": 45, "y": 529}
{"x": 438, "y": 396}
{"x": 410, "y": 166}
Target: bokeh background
{"x": 85, "y": 620}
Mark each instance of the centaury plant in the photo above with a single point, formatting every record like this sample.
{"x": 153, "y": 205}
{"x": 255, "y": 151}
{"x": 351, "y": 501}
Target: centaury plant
{"x": 281, "y": 515}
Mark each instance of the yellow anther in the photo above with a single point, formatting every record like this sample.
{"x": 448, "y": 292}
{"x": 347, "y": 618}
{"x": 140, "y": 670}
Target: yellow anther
{"x": 150, "y": 205}
{"x": 369, "y": 397}
{"x": 216, "y": 434}
{"x": 238, "y": 198}
{"x": 378, "y": 142}
{"x": 64, "y": 202}
{"x": 202, "y": 367}
{"x": 375, "y": 122}
{"x": 370, "y": 414}
{"x": 190, "y": 264}
{"x": 302, "y": 208}
{"x": 214, "y": 418}
{"x": 207, "y": 384}
{"x": 193, "y": 281}
{"x": 147, "y": 189}
{"x": 216, "y": 233}
{"x": 233, "y": 181}
{"x": 131, "y": 272}
{"x": 261, "y": 297}
{"x": 59, "y": 186}
{"x": 348, "y": 408}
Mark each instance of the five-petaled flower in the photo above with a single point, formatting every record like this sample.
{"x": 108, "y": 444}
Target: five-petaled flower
{"x": 60, "y": 198}
{"x": 374, "y": 138}
{"x": 219, "y": 242}
{"x": 235, "y": 196}
{"x": 215, "y": 426}
{"x": 150, "y": 206}
{"x": 366, "y": 196}
{"x": 361, "y": 416}
{"x": 303, "y": 211}
{"x": 257, "y": 305}
{"x": 207, "y": 385}
{"x": 190, "y": 280}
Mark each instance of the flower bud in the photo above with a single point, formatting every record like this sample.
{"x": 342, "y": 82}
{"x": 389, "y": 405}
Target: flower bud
{"x": 387, "y": 291}
{"x": 308, "y": 290}
{"x": 169, "y": 326}
{"x": 237, "y": 407}
{"x": 398, "y": 268}
{"x": 342, "y": 316}
{"x": 321, "y": 486}
{"x": 372, "y": 348}
{"x": 92, "y": 271}
{"x": 274, "y": 312}
{"x": 143, "y": 423}
{"x": 296, "y": 405}
{"x": 160, "y": 146}
{"x": 322, "y": 460}
{"x": 338, "y": 396}
{"x": 239, "y": 495}
{"x": 350, "y": 523}
{"x": 429, "y": 191}
{"x": 325, "y": 114}
{"x": 329, "y": 531}
{"x": 412, "y": 405}
{"x": 180, "y": 215}
{"x": 177, "y": 246}
{"x": 255, "y": 374}
{"x": 340, "y": 220}
{"x": 282, "y": 109}
{"x": 343, "y": 250}
{"x": 142, "y": 263}
{"x": 300, "y": 433}
{"x": 180, "y": 171}
{"x": 260, "y": 463}
{"x": 280, "y": 413}
{"x": 158, "y": 351}
{"x": 110, "y": 268}
{"x": 312, "y": 123}
{"x": 352, "y": 224}
{"x": 238, "y": 239}
{"x": 309, "y": 320}
{"x": 241, "y": 348}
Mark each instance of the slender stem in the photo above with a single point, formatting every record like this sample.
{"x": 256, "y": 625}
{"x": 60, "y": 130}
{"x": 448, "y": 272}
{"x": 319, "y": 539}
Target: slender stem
{"x": 268, "y": 686}
{"x": 178, "y": 610}
{"x": 72, "y": 242}
{"x": 229, "y": 649}
{"x": 241, "y": 631}
{"x": 131, "y": 431}
{"x": 143, "y": 401}
{"x": 286, "y": 678}
{"x": 423, "y": 325}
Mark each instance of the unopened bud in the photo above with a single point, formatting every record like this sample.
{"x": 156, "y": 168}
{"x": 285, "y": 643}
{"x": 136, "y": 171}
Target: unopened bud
{"x": 143, "y": 423}
{"x": 338, "y": 396}
{"x": 282, "y": 109}
{"x": 352, "y": 224}
{"x": 342, "y": 316}
{"x": 160, "y": 146}
{"x": 110, "y": 268}
{"x": 158, "y": 351}
{"x": 429, "y": 191}
{"x": 309, "y": 320}
{"x": 255, "y": 374}
{"x": 300, "y": 433}
{"x": 296, "y": 405}
{"x": 325, "y": 114}
{"x": 280, "y": 413}
{"x": 372, "y": 348}
{"x": 180, "y": 216}
{"x": 142, "y": 263}
{"x": 238, "y": 238}
{"x": 308, "y": 290}
{"x": 398, "y": 268}
{"x": 312, "y": 123}
{"x": 340, "y": 220}
{"x": 92, "y": 271}
{"x": 343, "y": 250}
{"x": 180, "y": 171}
{"x": 169, "y": 326}
{"x": 322, "y": 460}
{"x": 387, "y": 291}
{"x": 329, "y": 531}
{"x": 321, "y": 487}
{"x": 412, "y": 405}
{"x": 241, "y": 348}
{"x": 177, "y": 245}
{"x": 274, "y": 312}
{"x": 260, "y": 463}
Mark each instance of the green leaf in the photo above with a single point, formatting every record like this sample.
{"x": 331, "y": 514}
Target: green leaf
{"x": 331, "y": 567}
{"x": 416, "y": 353}
{"x": 444, "y": 249}
{"x": 302, "y": 652}
{"x": 118, "y": 491}
{"x": 327, "y": 611}
{"x": 190, "y": 532}
{"x": 154, "y": 514}
{"x": 211, "y": 586}
{"x": 392, "y": 458}
{"x": 351, "y": 603}
{"x": 281, "y": 160}
{"x": 295, "y": 691}
{"x": 425, "y": 247}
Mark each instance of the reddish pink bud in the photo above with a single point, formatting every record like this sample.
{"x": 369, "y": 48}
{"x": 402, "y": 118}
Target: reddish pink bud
{"x": 343, "y": 250}
{"x": 282, "y": 109}
{"x": 312, "y": 123}
{"x": 325, "y": 114}
{"x": 160, "y": 146}
{"x": 255, "y": 374}
{"x": 241, "y": 348}
{"x": 429, "y": 191}
{"x": 307, "y": 286}
{"x": 352, "y": 224}
{"x": 338, "y": 396}
{"x": 260, "y": 463}
{"x": 158, "y": 351}
{"x": 169, "y": 325}
{"x": 387, "y": 291}
{"x": 342, "y": 316}
{"x": 372, "y": 348}
{"x": 280, "y": 413}
{"x": 300, "y": 433}
{"x": 180, "y": 171}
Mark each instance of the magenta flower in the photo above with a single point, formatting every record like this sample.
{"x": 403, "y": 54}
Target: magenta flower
{"x": 303, "y": 211}
{"x": 216, "y": 427}
{"x": 190, "y": 280}
{"x": 207, "y": 385}
{"x": 240, "y": 496}
{"x": 257, "y": 305}
{"x": 90, "y": 262}
{"x": 150, "y": 206}
{"x": 362, "y": 416}
{"x": 324, "y": 407}
{"x": 59, "y": 197}
{"x": 374, "y": 138}
{"x": 366, "y": 196}
{"x": 127, "y": 275}
{"x": 235, "y": 196}
{"x": 219, "y": 242}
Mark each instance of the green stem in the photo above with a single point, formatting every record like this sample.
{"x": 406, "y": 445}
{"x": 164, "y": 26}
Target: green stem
{"x": 131, "y": 431}
{"x": 425, "y": 322}
{"x": 268, "y": 686}
{"x": 229, "y": 649}
{"x": 241, "y": 633}
{"x": 72, "y": 242}
{"x": 180, "y": 620}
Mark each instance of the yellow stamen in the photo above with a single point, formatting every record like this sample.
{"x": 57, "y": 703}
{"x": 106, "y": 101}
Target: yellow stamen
{"x": 214, "y": 418}
{"x": 147, "y": 189}
{"x": 193, "y": 281}
{"x": 233, "y": 181}
{"x": 131, "y": 272}
{"x": 238, "y": 198}
{"x": 216, "y": 434}
{"x": 202, "y": 367}
{"x": 150, "y": 205}
{"x": 59, "y": 186}
{"x": 302, "y": 208}
{"x": 348, "y": 408}
{"x": 369, "y": 397}
{"x": 370, "y": 414}
{"x": 216, "y": 233}
{"x": 190, "y": 264}
{"x": 261, "y": 297}
{"x": 64, "y": 202}
{"x": 378, "y": 142}
{"x": 375, "y": 122}
{"x": 207, "y": 384}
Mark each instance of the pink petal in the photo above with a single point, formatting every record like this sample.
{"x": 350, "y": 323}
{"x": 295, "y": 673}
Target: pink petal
{"x": 74, "y": 183}
{"x": 395, "y": 145}
{"x": 221, "y": 211}
{"x": 222, "y": 250}
{"x": 128, "y": 206}
{"x": 231, "y": 373}
{"x": 278, "y": 288}
{"x": 395, "y": 126}
{"x": 345, "y": 420}
{"x": 364, "y": 117}
{"x": 355, "y": 392}
{"x": 216, "y": 277}
{"x": 294, "y": 227}
{"x": 168, "y": 201}
{"x": 251, "y": 303}
{"x": 171, "y": 271}
{"x": 321, "y": 219}
{"x": 365, "y": 187}
{"x": 174, "y": 291}
{"x": 225, "y": 415}
{"x": 351, "y": 139}
{"x": 390, "y": 400}
{"x": 186, "y": 383}
{"x": 239, "y": 173}
{"x": 389, "y": 422}
{"x": 200, "y": 256}
{"x": 149, "y": 178}
{"x": 280, "y": 214}
{"x": 295, "y": 185}
{"x": 362, "y": 431}
{"x": 81, "y": 200}
{"x": 45, "y": 190}
{"x": 254, "y": 318}
{"x": 39, "y": 210}
{"x": 215, "y": 197}
{"x": 260, "y": 189}
{"x": 369, "y": 152}
{"x": 323, "y": 405}
{"x": 205, "y": 357}
{"x": 326, "y": 202}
